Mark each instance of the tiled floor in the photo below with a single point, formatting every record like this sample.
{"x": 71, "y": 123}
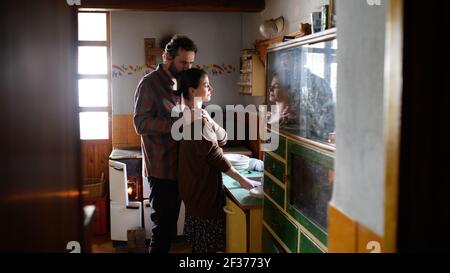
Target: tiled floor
{"x": 103, "y": 244}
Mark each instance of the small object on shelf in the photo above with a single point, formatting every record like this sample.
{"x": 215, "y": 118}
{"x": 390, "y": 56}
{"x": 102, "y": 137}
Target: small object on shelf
{"x": 332, "y": 14}
{"x": 252, "y": 74}
{"x": 305, "y": 29}
{"x": 151, "y": 52}
{"x": 288, "y": 38}
{"x": 272, "y": 27}
{"x": 316, "y": 21}
{"x": 325, "y": 17}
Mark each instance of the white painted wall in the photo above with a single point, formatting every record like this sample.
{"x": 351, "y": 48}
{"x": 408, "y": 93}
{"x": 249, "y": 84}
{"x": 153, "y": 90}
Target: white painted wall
{"x": 293, "y": 11}
{"x": 217, "y": 35}
{"x": 359, "y": 165}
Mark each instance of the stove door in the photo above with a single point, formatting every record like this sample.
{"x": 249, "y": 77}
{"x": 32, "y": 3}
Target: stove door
{"x": 118, "y": 182}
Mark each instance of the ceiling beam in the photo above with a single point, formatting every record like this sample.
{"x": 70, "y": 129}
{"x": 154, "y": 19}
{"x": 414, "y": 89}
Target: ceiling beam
{"x": 177, "y": 5}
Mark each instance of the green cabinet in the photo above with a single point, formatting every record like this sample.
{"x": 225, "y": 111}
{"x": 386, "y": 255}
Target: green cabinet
{"x": 308, "y": 246}
{"x": 281, "y": 150}
{"x": 274, "y": 191}
{"x": 297, "y": 187}
{"x": 310, "y": 182}
{"x": 286, "y": 230}
{"x": 275, "y": 167}
{"x": 270, "y": 244}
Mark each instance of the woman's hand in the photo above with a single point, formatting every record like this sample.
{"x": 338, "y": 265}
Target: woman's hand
{"x": 247, "y": 183}
{"x": 206, "y": 115}
{"x": 242, "y": 180}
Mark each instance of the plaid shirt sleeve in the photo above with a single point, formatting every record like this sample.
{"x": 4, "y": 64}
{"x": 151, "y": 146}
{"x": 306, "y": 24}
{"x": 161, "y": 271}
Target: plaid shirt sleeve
{"x": 147, "y": 118}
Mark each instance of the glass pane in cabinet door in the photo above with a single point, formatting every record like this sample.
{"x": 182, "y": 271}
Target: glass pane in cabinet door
{"x": 319, "y": 91}
{"x": 283, "y": 81}
{"x": 301, "y": 81}
{"x": 311, "y": 188}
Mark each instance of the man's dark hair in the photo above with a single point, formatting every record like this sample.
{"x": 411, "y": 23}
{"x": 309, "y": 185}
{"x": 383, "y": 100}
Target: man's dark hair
{"x": 177, "y": 42}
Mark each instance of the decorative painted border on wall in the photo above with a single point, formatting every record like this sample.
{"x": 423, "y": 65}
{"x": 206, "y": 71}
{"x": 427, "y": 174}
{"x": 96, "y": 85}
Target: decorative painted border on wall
{"x": 127, "y": 69}
{"x": 124, "y": 69}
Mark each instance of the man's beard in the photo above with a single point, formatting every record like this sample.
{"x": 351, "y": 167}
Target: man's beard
{"x": 173, "y": 70}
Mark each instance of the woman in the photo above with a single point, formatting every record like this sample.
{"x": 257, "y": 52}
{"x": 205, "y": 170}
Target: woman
{"x": 201, "y": 164}
{"x": 278, "y": 94}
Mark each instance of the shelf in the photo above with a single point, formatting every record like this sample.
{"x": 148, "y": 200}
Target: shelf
{"x": 252, "y": 75}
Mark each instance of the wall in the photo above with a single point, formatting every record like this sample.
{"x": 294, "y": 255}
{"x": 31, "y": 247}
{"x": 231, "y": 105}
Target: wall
{"x": 293, "y": 11}
{"x": 359, "y": 181}
{"x": 217, "y": 35}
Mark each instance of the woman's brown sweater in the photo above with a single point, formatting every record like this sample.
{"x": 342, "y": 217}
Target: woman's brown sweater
{"x": 200, "y": 167}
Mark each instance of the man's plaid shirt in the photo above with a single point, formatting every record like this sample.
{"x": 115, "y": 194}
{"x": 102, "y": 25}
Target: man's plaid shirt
{"x": 153, "y": 103}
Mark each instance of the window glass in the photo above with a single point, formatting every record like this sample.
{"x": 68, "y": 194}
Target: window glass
{"x": 93, "y": 92}
{"x": 91, "y": 26}
{"x": 94, "y": 125}
{"x": 92, "y": 60}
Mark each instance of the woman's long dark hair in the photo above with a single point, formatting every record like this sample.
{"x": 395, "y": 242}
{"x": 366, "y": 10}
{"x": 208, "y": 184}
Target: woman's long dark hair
{"x": 189, "y": 78}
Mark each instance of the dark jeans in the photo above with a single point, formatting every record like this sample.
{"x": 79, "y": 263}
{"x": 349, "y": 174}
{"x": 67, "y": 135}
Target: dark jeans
{"x": 165, "y": 207}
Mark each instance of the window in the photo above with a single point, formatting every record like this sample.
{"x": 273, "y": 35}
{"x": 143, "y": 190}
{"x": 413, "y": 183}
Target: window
{"x": 94, "y": 75}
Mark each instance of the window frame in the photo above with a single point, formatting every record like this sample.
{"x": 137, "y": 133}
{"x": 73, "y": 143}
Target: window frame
{"x": 106, "y": 76}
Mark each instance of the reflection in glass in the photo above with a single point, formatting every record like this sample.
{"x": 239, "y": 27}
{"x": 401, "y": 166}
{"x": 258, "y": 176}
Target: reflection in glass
{"x": 279, "y": 95}
{"x": 92, "y": 60}
{"x": 93, "y": 92}
{"x": 305, "y": 78}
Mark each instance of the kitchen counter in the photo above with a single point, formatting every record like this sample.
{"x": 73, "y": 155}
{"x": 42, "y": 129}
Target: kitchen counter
{"x": 240, "y": 195}
{"x": 243, "y": 216}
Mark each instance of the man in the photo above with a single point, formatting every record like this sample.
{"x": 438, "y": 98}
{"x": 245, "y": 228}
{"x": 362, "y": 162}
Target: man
{"x": 154, "y": 100}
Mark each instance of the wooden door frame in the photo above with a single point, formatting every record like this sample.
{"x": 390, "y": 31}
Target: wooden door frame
{"x": 392, "y": 120}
